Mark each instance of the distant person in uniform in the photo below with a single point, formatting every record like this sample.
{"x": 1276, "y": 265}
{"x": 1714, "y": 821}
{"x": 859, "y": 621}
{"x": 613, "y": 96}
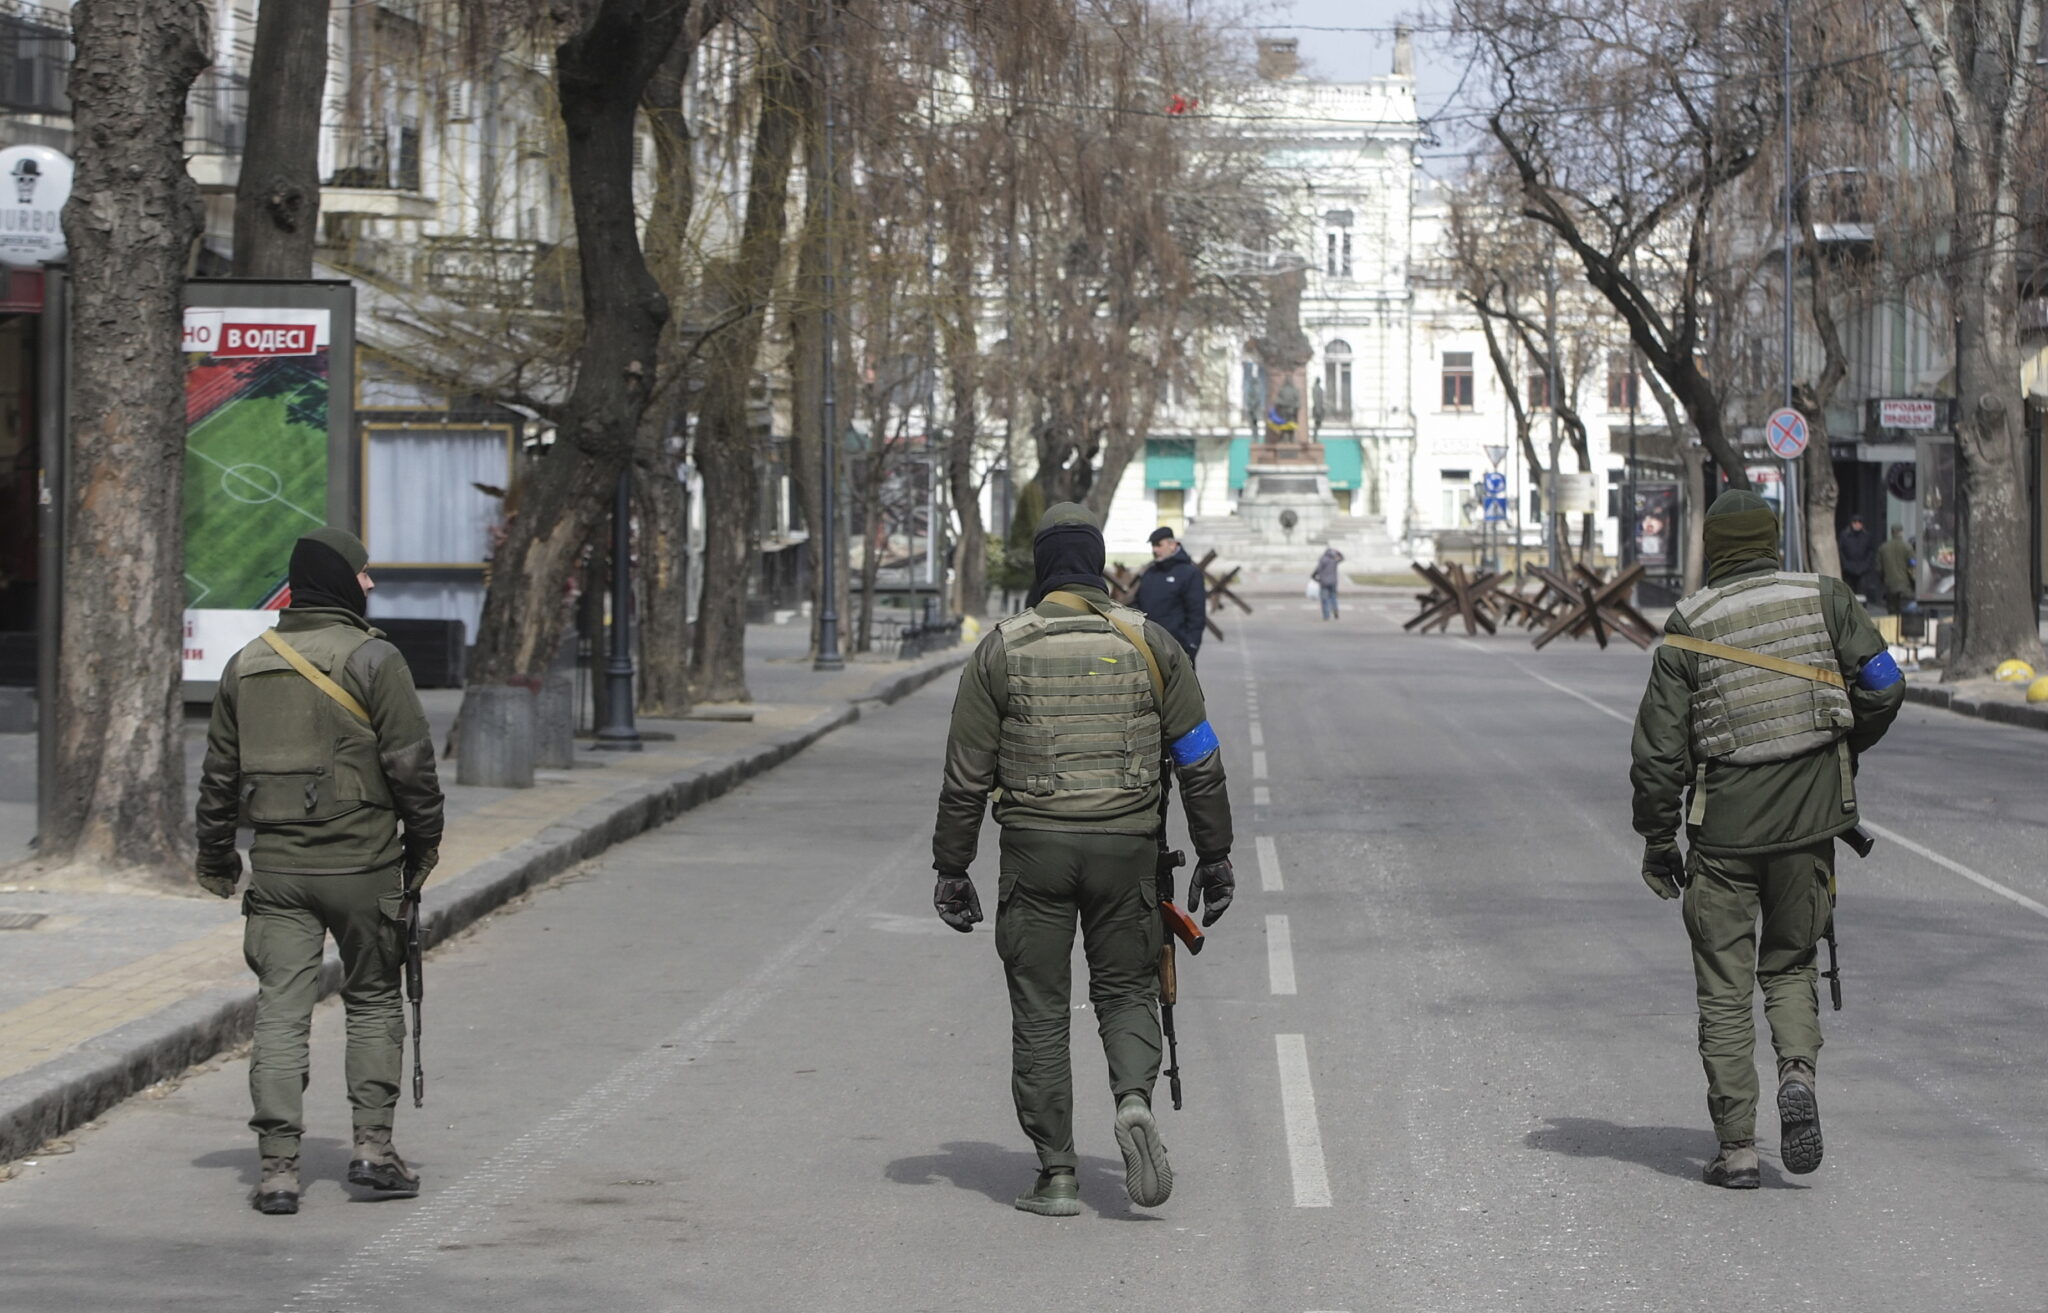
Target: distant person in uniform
{"x": 1895, "y": 565}
{"x": 1325, "y": 575}
{"x": 319, "y": 744}
{"x": 1170, "y": 592}
{"x": 1767, "y": 687}
{"x": 1859, "y": 557}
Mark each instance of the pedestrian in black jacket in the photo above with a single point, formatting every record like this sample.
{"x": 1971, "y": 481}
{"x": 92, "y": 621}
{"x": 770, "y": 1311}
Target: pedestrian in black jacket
{"x": 1170, "y": 592}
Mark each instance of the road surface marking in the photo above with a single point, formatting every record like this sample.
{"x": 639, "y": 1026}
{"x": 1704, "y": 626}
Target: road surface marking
{"x": 1304, "y": 1137}
{"x": 1258, "y": 735}
{"x": 1476, "y": 647}
{"x": 1269, "y": 864}
{"x": 1884, "y": 832}
{"x": 1600, "y": 707}
{"x": 1261, "y": 796}
{"x": 377, "y": 1273}
{"x": 1258, "y": 765}
{"x": 1279, "y": 955}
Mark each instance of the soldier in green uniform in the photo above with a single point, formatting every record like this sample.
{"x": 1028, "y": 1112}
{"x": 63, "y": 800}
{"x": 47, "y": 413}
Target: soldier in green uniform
{"x": 318, "y": 743}
{"x": 1066, "y": 714}
{"x": 1766, "y": 689}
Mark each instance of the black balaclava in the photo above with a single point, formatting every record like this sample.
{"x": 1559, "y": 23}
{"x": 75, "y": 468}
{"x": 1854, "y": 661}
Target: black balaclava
{"x": 324, "y": 567}
{"x": 1066, "y": 550}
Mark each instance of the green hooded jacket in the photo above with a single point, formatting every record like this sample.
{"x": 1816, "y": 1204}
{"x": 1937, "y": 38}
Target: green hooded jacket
{"x": 1769, "y": 806}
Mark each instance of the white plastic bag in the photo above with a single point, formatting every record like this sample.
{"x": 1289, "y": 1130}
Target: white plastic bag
{"x": 1314, "y": 592}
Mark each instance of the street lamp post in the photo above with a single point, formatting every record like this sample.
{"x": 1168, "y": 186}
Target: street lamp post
{"x": 618, "y": 733}
{"x": 1793, "y": 556}
{"x": 829, "y": 656}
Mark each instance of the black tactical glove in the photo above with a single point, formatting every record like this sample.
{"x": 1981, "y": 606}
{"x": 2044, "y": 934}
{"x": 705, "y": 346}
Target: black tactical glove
{"x": 1215, "y": 884}
{"x": 419, "y": 865}
{"x": 219, "y": 873}
{"x": 955, "y": 898}
{"x": 1663, "y": 868}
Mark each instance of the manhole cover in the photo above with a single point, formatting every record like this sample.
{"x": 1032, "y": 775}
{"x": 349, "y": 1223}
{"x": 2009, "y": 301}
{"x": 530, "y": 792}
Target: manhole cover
{"x": 20, "y": 920}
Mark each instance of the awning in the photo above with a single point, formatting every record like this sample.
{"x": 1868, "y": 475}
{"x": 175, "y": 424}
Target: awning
{"x": 1169, "y": 463}
{"x": 1346, "y": 460}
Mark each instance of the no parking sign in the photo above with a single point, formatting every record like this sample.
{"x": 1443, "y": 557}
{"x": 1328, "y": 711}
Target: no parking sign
{"x": 1786, "y": 432}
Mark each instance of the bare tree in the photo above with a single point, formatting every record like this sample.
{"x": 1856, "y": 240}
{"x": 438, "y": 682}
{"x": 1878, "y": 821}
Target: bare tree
{"x": 277, "y": 197}
{"x": 1626, "y": 123}
{"x": 131, "y": 220}
{"x": 738, "y": 289}
{"x": 610, "y": 50}
{"x": 1982, "y": 55}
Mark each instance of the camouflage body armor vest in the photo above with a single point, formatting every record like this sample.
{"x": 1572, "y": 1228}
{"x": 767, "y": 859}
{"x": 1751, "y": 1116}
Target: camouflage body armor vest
{"x": 304, "y": 758}
{"x": 1081, "y": 730}
{"x": 1744, "y": 714}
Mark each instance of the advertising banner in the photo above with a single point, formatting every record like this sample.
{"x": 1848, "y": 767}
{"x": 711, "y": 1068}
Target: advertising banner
{"x": 265, "y": 399}
{"x": 1657, "y": 526}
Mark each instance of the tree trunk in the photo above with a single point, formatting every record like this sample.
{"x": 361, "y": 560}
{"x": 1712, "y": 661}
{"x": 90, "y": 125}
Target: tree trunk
{"x": 1818, "y": 496}
{"x": 134, "y": 212}
{"x": 600, "y": 73}
{"x": 1981, "y": 52}
{"x": 741, "y": 286}
{"x": 664, "y": 688}
{"x": 277, "y": 200}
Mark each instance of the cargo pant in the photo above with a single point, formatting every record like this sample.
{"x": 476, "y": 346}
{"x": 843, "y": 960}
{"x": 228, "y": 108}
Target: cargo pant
{"x": 1726, "y": 900}
{"x": 287, "y": 920}
{"x": 1108, "y": 883}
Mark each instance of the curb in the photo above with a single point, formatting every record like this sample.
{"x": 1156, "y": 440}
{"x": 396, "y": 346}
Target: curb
{"x": 2005, "y": 713}
{"x": 46, "y": 1101}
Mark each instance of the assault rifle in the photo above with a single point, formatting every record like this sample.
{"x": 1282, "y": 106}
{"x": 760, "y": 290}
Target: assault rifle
{"x": 1860, "y": 843}
{"x": 415, "y": 985}
{"x": 1179, "y": 925}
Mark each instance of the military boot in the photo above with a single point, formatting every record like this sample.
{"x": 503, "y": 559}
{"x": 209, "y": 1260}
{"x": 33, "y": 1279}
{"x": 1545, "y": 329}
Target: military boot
{"x": 1798, "y": 1118}
{"x": 377, "y": 1165}
{"x": 1057, "y": 1194}
{"x": 1148, "y": 1178}
{"x": 1735, "y": 1168}
{"x": 278, "y": 1194}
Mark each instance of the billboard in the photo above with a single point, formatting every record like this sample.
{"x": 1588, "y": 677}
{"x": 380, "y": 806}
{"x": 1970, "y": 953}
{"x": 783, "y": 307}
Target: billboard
{"x": 268, "y": 378}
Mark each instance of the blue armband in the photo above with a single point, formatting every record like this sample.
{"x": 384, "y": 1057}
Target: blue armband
{"x": 1878, "y": 673}
{"x": 1194, "y": 745}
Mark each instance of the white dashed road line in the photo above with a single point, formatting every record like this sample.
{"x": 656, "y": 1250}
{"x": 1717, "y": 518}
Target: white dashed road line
{"x": 1258, "y": 765}
{"x": 1258, "y": 735}
{"x": 1304, "y": 1135}
{"x": 1261, "y": 796}
{"x": 1279, "y": 955}
{"x": 1949, "y": 864}
{"x": 1269, "y": 864}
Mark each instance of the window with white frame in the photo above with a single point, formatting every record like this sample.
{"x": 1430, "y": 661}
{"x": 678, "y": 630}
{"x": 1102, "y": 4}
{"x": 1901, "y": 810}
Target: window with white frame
{"x": 1337, "y": 379}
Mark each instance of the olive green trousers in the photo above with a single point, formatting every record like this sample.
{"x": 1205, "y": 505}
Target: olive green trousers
{"x": 1755, "y": 921}
{"x": 1108, "y": 882}
{"x": 287, "y": 919}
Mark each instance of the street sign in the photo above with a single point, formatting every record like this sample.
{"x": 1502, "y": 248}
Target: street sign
{"x": 1495, "y": 455}
{"x": 1785, "y": 432}
{"x": 1495, "y": 482}
{"x": 1496, "y": 510}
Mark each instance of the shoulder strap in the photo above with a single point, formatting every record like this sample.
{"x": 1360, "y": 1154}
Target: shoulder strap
{"x": 315, "y": 676}
{"x": 1745, "y": 657}
{"x": 1132, "y": 635}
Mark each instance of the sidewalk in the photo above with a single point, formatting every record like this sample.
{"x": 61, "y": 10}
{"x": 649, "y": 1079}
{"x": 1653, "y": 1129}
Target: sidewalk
{"x": 103, "y": 994}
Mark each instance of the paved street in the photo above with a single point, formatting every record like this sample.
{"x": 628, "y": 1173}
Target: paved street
{"x": 1439, "y": 1055}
